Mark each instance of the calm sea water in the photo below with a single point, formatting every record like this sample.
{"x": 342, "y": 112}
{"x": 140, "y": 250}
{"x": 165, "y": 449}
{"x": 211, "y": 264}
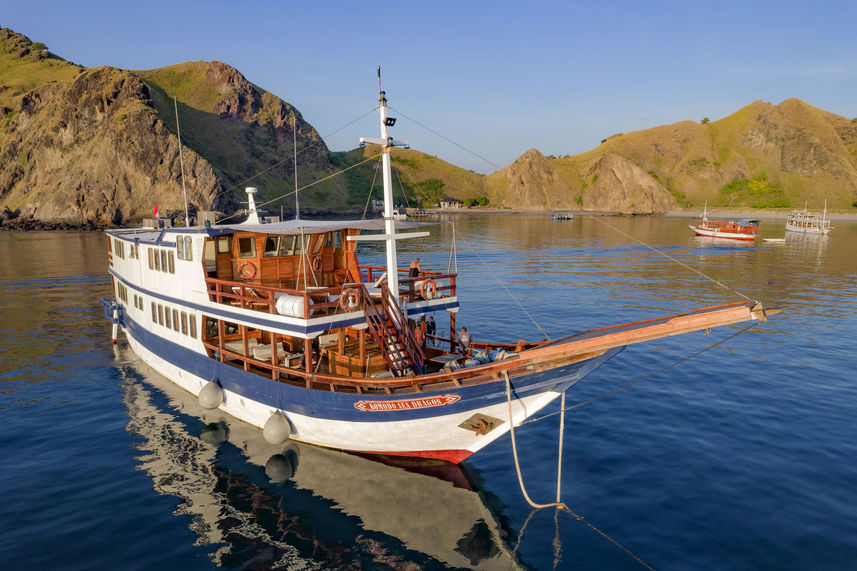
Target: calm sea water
{"x": 743, "y": 456}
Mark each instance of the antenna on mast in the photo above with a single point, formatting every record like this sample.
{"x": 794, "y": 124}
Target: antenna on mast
{"x": 379, "y": 83}
{"x": 181, "y": 159}
{"x": 295, "y": 144}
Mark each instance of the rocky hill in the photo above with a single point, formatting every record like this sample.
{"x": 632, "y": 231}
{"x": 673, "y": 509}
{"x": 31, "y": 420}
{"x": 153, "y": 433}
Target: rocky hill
{"x": 762, "y": 156}
{"x": 99, "y": 145}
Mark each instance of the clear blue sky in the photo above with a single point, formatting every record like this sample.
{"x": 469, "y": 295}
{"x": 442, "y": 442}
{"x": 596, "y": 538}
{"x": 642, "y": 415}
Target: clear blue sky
{"x": 496, "y": 77}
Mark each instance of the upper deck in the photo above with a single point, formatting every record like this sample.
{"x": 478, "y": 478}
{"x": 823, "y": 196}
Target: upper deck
{"x": 296, "y": 270}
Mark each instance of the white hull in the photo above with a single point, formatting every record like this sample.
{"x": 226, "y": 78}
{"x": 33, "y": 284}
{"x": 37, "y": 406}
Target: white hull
{"x": 407, "y": 437}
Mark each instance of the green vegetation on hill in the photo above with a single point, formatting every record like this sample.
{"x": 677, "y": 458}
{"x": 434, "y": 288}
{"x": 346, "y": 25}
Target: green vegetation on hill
{"x": 27, "y": 65}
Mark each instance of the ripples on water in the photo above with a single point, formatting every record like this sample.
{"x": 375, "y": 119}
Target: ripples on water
{"x": 741, "y": 457}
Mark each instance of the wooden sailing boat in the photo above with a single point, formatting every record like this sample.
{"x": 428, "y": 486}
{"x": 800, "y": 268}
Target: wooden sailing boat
{"x": 729, "y": 228}
{"x": 281, "y": 326}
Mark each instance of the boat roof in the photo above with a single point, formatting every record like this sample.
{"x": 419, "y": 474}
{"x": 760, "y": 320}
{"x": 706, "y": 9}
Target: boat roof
{"x": 286, "y": 227}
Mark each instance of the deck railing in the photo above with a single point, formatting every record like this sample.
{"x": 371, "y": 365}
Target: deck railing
{"x": 261, "y": 297}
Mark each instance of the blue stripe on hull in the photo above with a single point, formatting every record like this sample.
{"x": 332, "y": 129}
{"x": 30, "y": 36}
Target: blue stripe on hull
{"x": 324, "y": 404}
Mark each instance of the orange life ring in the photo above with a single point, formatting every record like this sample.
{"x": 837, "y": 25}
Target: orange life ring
{"x": 428, "y": 289}
{"x": 316, "y": 263}
{"x": 247, "y": 270}
{"x": 349, "y": 299}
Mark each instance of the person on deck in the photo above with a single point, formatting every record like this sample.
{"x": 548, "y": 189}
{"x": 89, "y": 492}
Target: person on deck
{"x": 431, "y": 328}
{"x": 420, "y": 335}
{"x": 415, "y": 269}
{"x": 463, "y": 341}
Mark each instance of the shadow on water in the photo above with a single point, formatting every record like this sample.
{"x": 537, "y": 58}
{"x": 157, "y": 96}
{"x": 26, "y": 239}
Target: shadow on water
{"x": 253, "y": 503}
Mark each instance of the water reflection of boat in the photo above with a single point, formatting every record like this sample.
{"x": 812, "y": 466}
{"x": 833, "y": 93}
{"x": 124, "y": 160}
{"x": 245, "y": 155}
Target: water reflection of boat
{"x": 301, "y": 506}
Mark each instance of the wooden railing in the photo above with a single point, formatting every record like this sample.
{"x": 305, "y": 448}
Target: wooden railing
{"x": 390, "y": 329}
{"x": 408, "y": 290}
{"x": 249, "y": 295}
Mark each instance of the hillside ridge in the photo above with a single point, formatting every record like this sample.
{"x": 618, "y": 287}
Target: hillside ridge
{"x": 99, "y": 145}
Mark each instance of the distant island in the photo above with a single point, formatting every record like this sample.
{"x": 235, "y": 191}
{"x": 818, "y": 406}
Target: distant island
{"x": 99, "y": 146}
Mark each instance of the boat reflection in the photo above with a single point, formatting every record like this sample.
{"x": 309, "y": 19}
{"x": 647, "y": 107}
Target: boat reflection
{"x": 292, "y": 505}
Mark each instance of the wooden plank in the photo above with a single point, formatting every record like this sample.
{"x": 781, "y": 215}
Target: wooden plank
{"x": 637, "y": 332}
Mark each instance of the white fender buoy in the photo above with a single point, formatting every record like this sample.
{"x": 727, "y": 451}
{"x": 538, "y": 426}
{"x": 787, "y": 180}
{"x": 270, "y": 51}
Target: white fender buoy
{"x": 276, "y": 429}
{"x": 211, "y": 395}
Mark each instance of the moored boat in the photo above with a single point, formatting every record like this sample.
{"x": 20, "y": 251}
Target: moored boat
{"x": 563, "y": 216}
{"x": 803, "y": 221}
{"x": 728, "y": 228}
{"x": 282, "y": 327}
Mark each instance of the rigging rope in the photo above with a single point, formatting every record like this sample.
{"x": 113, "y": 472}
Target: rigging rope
{"x": 533, "y": 319}
{"x": 305, "y": 149}
{"x": 371, "y": 188}
{"x": 447, "y": 139}
{"x": 649, "y": 376}
{"x": 679, "y": 262}
{"x": 286, "y": 195}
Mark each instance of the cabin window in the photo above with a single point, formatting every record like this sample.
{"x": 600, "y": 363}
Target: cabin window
{"x": 160, "y": 314}
{"x": 167, "y": 322}
{"x": 122, "y": 291}
{"x": 151, "y": 263}
{"x": 134, "y": 252}
{"x": 193, "y": 326}
{"x": 328, "y": 239}
{"x": 154, "y": 312}
{"x": 119, "y": 247}
{"x": 184, "y": 323}
{"x": 337, "y": 239}
{"x": 319, "y": 242}
{"x": 210, "y": 256}
{"x": 271, "y": 246}
{"x": 180, "y": 248}
{"x": 176, "y": 319}
{"x": 157, "y": 261}
{"x": 163, "y": 260}
{"x": 224, "y": 245}
{"x": 188, "y": 248}
{"x": 172, "y": 260}
{"x": 287, "y": 245}
{"x": 247, "y": 247}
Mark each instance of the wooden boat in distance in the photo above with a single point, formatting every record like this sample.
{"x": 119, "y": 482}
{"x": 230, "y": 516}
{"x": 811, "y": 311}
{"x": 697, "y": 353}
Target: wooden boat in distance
{"x": 281, "y": 326}
{"x": 728, "y": 228}
{"x": 803, "y": 221}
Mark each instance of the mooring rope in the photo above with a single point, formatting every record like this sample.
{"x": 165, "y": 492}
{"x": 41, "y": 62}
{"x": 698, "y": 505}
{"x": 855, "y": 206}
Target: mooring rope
{"x": 557, "y": 504}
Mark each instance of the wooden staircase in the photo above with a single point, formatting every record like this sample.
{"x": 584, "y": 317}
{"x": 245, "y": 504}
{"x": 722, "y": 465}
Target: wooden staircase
{"x": 390, "y": 330}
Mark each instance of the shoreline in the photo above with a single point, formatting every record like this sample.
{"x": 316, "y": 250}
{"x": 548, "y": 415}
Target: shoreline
{"x": 719, "y": 213}
{"x": 30, "y": 225}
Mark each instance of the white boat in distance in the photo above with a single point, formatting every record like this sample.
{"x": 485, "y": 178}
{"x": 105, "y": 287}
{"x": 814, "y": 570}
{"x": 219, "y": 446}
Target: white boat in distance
{"x": 280, "y": 326}
{"x": 803, "y": 221}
